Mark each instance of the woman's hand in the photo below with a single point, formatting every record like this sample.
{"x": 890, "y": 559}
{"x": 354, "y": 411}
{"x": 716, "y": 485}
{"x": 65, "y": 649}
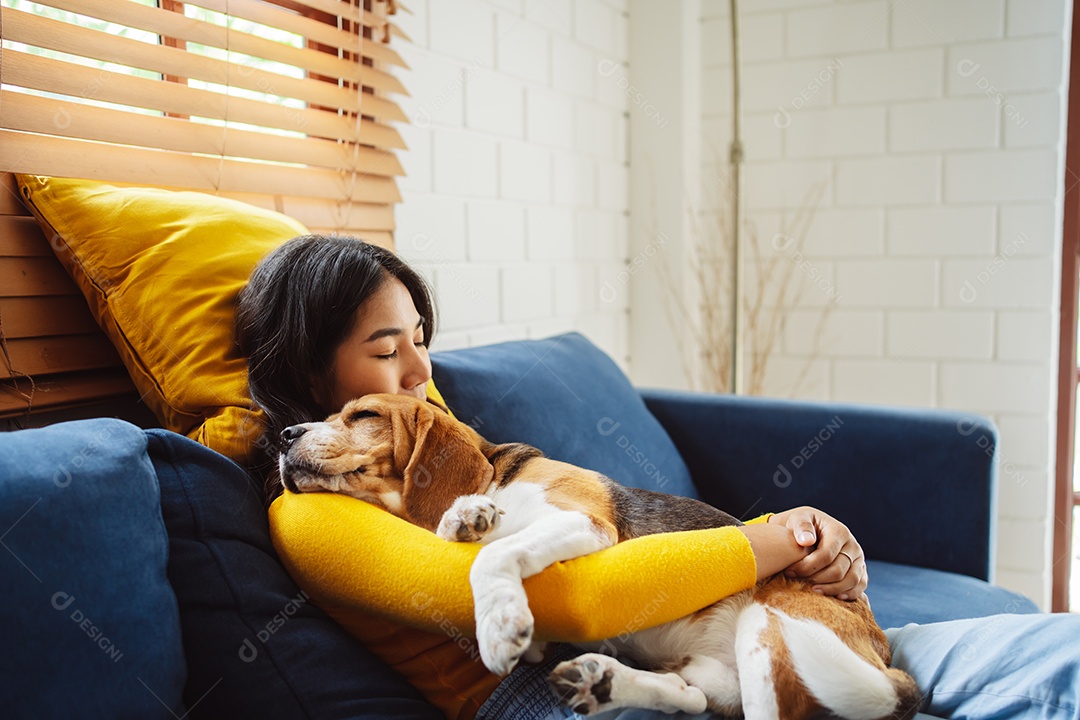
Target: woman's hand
{"x": 836, "y": 566}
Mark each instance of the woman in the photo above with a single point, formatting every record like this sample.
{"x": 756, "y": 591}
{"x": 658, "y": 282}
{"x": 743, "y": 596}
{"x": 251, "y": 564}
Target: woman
{"x": 327, "y": 319}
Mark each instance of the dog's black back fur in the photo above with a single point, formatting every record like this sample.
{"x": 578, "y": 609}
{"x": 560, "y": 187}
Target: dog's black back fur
{"x": 645, "y": 512}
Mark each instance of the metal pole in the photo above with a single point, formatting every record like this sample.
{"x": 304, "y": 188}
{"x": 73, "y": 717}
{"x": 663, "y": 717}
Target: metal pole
{"x": 736, "y": 163}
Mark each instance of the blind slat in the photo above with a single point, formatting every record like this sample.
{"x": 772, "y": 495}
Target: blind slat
{"x": 398, "y": 32}
{"x": 383, "y": 239}
{"x": 32, "y": 113}
{"x": 30, "y": 276}
{"x": 337, "y": 9}
{"x": 266, "y": 14}
{"x": 316, "y": 213}
{"x": 10, "y": 204}
{"x": 59, "y": 353}
{"x": 329, "y": 215}
{"x": 63, "y": 37}
{"x": 20, "y": 236}
{"x": 167, "y": 23}
{"x": 34, "y": 72}
{"x": 66, "y": 157}
{"x": 26, "y": 317}
{"x": 64, "y": 391}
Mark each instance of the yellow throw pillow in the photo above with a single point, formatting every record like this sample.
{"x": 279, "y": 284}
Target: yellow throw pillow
{"x": 161, "y": 271}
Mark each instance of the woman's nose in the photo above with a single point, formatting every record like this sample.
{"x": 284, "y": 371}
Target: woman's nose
{"x": 418, "y": 371}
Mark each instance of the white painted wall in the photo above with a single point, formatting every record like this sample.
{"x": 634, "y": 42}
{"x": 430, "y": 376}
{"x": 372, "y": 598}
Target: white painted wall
{"x": 663, "y": 82}
{"x": 515, "y": 199}
{"x": 937, "y": 128}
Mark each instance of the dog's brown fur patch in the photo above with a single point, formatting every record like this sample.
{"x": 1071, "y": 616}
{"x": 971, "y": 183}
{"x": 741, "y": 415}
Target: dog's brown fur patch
{"x": 852, "y": 621}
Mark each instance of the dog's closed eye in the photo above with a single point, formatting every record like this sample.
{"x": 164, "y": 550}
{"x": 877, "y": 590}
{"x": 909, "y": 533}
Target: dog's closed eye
{"x": 358, "y": 415}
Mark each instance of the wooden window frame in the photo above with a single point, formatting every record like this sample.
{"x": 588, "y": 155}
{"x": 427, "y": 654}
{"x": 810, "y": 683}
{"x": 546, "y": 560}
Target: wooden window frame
{"x": 1065, "y": 498}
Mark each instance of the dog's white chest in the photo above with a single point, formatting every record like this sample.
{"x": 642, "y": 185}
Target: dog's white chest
{"x": 523, "y": 503}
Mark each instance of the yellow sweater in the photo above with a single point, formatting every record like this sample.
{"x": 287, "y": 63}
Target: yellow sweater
{"x": 404, "y": 592}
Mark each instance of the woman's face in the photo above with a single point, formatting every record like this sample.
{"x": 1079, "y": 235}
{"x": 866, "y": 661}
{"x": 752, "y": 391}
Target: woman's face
{"x": 384, "y": 353}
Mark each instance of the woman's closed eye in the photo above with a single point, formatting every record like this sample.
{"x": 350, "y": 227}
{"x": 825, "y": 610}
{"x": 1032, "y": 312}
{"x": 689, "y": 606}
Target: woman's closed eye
{"x": 393, "y": 354}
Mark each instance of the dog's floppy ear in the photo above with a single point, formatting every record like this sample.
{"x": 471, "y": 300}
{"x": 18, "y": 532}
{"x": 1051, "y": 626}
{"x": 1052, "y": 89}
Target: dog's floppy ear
{"x": 445, "y": 464}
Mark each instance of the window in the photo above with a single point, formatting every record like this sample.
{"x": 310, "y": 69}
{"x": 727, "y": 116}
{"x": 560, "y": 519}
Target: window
{"x": 287, "y": 100}
{"x": 287, "y": 104}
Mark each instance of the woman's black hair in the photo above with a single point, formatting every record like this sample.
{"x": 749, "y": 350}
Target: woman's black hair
{"x": 298, "y": 307}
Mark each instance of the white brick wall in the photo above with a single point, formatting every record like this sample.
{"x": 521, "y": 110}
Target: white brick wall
{"x": 937, "y": 128}
{"x": 942, "y": 125}
{"x": 516, "y": 187}
{"x": 933, "y": 22}
{"x": 933, "y": 130}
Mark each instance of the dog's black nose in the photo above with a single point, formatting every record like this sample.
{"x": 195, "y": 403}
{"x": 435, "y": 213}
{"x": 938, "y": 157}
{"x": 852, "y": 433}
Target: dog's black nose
{"x": 291, "y": 433}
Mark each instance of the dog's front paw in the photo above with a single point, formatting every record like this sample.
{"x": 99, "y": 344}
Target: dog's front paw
{"x": 504, "y": 628}
{"x": 469, "y": 519}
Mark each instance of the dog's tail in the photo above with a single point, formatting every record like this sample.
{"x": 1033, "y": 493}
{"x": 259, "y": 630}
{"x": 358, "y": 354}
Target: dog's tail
{"x": 841, "y": 680}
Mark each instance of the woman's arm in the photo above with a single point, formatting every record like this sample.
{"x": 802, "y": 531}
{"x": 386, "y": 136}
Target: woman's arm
{"x": 774, "y": 546}
{"x": 348, "y": 554}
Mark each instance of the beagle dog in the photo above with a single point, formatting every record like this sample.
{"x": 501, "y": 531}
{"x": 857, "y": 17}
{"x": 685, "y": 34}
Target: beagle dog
{"x": 777, "y": 651}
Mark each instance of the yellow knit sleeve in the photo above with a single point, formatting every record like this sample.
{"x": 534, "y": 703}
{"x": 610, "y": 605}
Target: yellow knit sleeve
{"x": 346, "y": 553}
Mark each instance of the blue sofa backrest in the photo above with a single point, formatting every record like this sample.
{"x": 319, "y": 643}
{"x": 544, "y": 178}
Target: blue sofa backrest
{"x": 566, "y": 397}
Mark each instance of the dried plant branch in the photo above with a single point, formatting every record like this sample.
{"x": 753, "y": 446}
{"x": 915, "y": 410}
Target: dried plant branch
{"x": 777, "y": 291}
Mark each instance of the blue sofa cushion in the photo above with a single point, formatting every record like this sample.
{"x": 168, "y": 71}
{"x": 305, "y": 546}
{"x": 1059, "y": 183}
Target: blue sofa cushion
{"x": 911, "y": 594}
{"x": 90, "y": 625}
{"x": 255, "y": 647}
{"x": 569, "y": 399}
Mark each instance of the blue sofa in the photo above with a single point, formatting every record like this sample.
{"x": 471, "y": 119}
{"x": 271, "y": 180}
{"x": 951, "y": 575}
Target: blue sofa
{"x": 141, "y": 581}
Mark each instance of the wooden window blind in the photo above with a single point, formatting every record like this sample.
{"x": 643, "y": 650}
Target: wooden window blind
{"x": 288, "y": 99}
{"x": 286, "y": 104}
{"x": 53, "y": 353}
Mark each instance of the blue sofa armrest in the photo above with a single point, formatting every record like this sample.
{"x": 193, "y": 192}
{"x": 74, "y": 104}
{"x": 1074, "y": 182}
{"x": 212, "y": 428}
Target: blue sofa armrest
{"x": 916, "y": 487}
